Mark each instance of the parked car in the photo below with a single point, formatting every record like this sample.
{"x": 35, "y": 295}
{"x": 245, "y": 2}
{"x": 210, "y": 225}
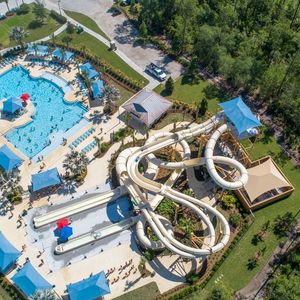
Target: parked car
{"x": 156, "y": 71}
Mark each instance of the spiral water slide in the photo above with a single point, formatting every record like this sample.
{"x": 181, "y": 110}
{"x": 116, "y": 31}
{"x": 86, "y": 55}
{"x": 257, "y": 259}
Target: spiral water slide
{"x": 136, "y": 184}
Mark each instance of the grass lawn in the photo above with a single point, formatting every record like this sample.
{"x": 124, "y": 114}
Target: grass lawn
{"x": 172, "y": 118}
{"x": 6, "y": 25}
{"x": 98, "y": 49}
{"x": 149, "y": 291}
{"x": 86, "y": 21}
{"x": 190, "y": 93}
{"x": 234, "y": 269}
{"x": 4, "y": 295}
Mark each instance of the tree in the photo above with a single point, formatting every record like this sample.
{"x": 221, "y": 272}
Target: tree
{"x": 43, "y": 295}
{"x": 112, "y": 93}
{"x": 143, "y": 30}
{"x": 98, "y": 141}
{"x": 221, "y": 292}
{"x": 70, "y": 28}
{"x": 235, "y": 220}
{"x": 67, "y": 40}
{"x": 75, "y": 165}
{"x": 283, "y": 224}
{"x": 40, "y": 11}
{"x": 228, "y": 201}
{"x": 169, "y": 86}
{"x": 18, "y": 34}
{"x": 203, "y": 107}
{"x": 6, "y": 2}
{"x": 53, "y": 39}
{"x": 187, "y": 225}
{"x": 10, "y": 186}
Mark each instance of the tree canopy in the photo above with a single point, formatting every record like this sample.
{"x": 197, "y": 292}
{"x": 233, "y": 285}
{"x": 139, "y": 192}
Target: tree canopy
{"x": 253, "y": 44}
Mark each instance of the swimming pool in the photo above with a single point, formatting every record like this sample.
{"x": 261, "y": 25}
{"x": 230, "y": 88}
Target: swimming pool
{"x": 53, "y": 115}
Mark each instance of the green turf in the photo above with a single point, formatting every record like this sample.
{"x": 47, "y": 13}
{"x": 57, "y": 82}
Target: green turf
{"x": 6, "y": 25}
{"x": 149, "y": 291}
{"x": 172, "y": 118}
{"x": 234, "y": 269}
{"x": 190, "y": 93}
{"x": 86, "y": 21}
{"x": 98, "y": 49}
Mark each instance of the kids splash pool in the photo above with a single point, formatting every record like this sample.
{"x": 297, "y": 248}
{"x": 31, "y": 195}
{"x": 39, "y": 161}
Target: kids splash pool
{"x": 53, "y": 116}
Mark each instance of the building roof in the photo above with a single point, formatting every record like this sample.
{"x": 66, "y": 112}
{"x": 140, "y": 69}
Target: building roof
{"x": 264, "y": 178}
{"x": 29, "y": 280}
{"x": 12, "y": 104}
{"x": 240, "y": 114}
{"x": 98, "y": 88}
{"x": 88, "y": 289}
{"x": 45, "y": 179}
{"x": 8, "y": 254}
{"x": 147, "y": 106}
{"x": 8, "y": 159}
{"x": 89, "y": 70}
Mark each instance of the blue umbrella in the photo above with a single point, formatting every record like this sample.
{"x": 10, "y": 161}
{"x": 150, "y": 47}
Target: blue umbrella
{"x": 66, "y": 232}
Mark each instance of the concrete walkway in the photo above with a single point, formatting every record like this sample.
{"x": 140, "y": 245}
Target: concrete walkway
{"x": 120, "y": 30}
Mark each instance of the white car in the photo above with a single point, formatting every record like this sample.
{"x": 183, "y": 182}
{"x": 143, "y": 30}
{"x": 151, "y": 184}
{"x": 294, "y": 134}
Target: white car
{"x": 156, "y": 71}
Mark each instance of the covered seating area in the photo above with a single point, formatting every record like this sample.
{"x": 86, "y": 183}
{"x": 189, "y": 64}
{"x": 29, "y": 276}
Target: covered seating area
{"x": 28, "y": 280}
{"x": 147, "y": 107}
{"x": 46, "y": 181}
{"x": 8, "y": 159}
{"x": 8, "y": 254}
{"x": 240, "y": 115}
{"x": 62, "y": 55}
{"x": 12, "y": 105}
{"x": 91, "y": 288}
{"x": 39, "y": 50}
{"x": 89, "y": 70}
{"x": 265, "y": 185}
{"x": 98, "y": 89}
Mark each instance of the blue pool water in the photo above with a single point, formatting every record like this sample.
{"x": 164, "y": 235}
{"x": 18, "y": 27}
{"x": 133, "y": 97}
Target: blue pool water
{"x": 53, "y": 116}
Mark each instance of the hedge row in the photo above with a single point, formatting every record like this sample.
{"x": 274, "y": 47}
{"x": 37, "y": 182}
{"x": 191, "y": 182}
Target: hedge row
{"x": 57, "y": 17}
{"x": 197, "y": 287}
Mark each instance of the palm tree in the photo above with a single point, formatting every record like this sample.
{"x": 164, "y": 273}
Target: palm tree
{"x": 35, "y": 48}
{"x": 83, "y": 49}
{"x": 187, "y": 225}
{"x": 53, "y": 39}
{"x": 18, "y": 35}
{"x": 112, "y": 93}
{"x": 43, "y": 295}
{"x": 67, "y": 40}
{"x": 127, "y": 118}
{"x": 6, "y": 2}
{"x": 75, "y": 163}
{"x": 98, "y": 141}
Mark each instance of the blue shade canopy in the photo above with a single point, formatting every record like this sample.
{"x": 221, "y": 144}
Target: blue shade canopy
{"x": 240, "y": 114}
{"x": 39, "y": 49}
{"x": 29, "y": 280}
{"x": 89, "y": 70}
{"x": 8, "y": 254}
{"x": 66, "y": 55}
{"x": 8, "y": 159}
{"x": 97, "y": 88}
{"x": 66, "y": 232}
{"x": 88, "y": 289}
{"x": 12, "y": 104}
{"x": 45, "y": 179}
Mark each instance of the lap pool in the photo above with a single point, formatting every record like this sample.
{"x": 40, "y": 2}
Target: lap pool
{"x": 53, "y": 115}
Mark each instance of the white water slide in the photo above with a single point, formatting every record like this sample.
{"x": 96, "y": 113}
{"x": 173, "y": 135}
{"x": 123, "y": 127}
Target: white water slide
{"x": 137, "y": 184}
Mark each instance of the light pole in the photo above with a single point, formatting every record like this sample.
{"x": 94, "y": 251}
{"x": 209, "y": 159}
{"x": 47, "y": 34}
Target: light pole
{"x": 58, "y": 3}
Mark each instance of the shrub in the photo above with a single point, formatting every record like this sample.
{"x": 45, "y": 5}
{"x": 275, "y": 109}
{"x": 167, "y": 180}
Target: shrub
{"x": 228, "y": 201}
{"x": 57, "y": 17}
{"x": 23, "y": 9}
{"x": 70, "y": 28}
{"x": 104, "y": 147}
{"x": 169, "y": 86}
{"x": 235, "y": 220}
{"x": 35, "y": 24}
